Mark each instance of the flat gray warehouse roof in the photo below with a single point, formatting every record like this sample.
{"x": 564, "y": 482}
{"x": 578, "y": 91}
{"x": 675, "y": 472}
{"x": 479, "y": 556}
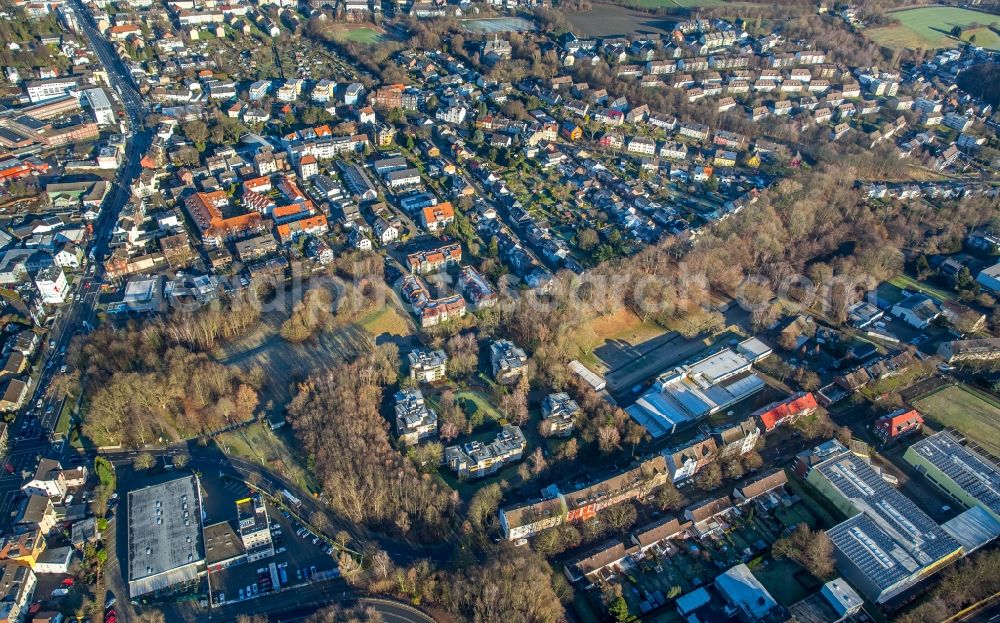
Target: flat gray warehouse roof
{"x": 164, "y": 535}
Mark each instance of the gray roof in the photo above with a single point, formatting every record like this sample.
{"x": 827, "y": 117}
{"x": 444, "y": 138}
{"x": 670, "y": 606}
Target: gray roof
{"x": 973, "y": 528}
{"x": 164, "y": 535}
{"x": 974, "y": 473}
{"x": 890, "y": 540}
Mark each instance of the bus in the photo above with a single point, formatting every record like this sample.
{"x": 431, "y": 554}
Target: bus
{"x": 291, "y": 499}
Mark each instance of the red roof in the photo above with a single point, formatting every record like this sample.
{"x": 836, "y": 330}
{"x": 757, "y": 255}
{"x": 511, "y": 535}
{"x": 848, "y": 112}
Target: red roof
{"x": 773, "y": 415}
{"x": 898, "y": 423}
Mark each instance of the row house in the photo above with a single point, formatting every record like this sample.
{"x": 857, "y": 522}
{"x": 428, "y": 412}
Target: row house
{"x": 728, "y": 62}
{"x": 583, "y": 504}
{"x": 692, "y": 64}
{"x": 726, "y": 104}
{"x": 642, "y": 146}
{"x": 657, "y": 68}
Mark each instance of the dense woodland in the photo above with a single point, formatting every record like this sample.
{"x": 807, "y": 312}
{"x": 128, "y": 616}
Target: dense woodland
{"x": 152, "y": 381}
{"x": 336, "y": 417}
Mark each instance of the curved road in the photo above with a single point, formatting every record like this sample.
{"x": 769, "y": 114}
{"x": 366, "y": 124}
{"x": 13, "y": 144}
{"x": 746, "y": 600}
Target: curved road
{"x": 273, "y": 483}
{"x": 391, "y": 611}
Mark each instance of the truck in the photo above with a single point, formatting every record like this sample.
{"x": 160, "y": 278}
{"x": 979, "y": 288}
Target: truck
{"x": 291, "y": 499}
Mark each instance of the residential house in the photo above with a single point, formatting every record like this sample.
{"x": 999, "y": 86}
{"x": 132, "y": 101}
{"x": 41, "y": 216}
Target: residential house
{"x": 785, "y": 411}
{"x": 708, "y": 517}
{"x": 17, "y": 585}
{"x": 898, "y": 424}
{"x": 427, "y": 366}
{"x": 558, "y": 415}
{"x": 509, "y": 362}
{"x": 414, "y": 419}
{"x": 437, "y": 217}
{"x": 737, "y": 439}
{"x": 476, "y": 459}
{"x": 760, "y": 488}
{"x": 686, "y": 461}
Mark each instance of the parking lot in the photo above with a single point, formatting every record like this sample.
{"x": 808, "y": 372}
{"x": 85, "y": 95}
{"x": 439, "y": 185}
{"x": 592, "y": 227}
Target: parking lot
{"x": 301, "y": 556}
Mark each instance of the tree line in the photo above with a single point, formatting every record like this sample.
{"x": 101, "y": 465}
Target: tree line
{"x": 150, "y": 381}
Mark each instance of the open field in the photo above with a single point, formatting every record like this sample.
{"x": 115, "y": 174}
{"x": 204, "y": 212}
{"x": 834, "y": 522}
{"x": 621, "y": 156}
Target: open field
{"x": 682, "y": 4}
{"x": 386, "y": 321}
{"x": 284, "y": 363}
{"x": 975, "y": 414}
{"x": 498, "y": 24}
{"x": 257, "y": 442}
{"x": 930, "y": 27}
{"x": 358, "y": 34}
{"x": 613, "y": 340}
{"x": 606, "y": 20}
{"x": 909, "y": 283}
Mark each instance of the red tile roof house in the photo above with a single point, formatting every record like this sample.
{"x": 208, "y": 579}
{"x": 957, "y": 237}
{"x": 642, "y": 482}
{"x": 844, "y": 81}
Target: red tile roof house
{"x": 897, "y": 424}
{"x": 786, "y": 411}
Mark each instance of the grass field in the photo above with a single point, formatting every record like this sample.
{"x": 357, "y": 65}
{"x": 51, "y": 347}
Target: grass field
{"x": 975, "y": 414}
{"x": 482, "y": 403}
{"x": 622, "y": 327}
{"x": 909, "y": 283}
{"x": 386, "y": 321}
{"x": 683, "y": 4}
{"x": 930, "y": 27}
{"x": 361, "y": 34}
{"x": 257, "y": 442}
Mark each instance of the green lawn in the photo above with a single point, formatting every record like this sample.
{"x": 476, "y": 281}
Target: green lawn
{"x": 684, "y": 4}
{"x": 386, "y": 321}
{"x": 975, "y": 414}
{"x": 930, "y": 27}
{"x": 257, "y": 442}
{"x": 909, "y": 283}
{"x": 359, "y": 35}
{"x": 62, "y": 424}
{"x": 786, "y": 580}
{"x": 481, "y": 401}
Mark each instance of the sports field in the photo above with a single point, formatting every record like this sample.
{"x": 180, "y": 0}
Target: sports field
{"x": 683, "y": 4}
{"x": 930, "y": 27}
{"x": 972, "y": 412}
{"x": 362, "y": 34}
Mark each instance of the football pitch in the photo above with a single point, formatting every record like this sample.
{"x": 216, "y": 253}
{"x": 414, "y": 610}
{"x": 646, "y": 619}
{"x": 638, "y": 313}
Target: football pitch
{"x": 974, "y": 413}
{"x": 930, "y": 28}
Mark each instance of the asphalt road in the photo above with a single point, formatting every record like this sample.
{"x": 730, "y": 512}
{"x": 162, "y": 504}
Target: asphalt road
{"x": 299, "y": 604}
{"x": 33, "y": 425}
{"x": 211, "y": 458}
{"x": 989, "y": 614}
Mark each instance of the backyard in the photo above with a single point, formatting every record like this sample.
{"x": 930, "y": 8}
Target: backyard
{"x": 930, "y": 27}
{"x": 972, "y": 412}
{"x": 686, "y": 565}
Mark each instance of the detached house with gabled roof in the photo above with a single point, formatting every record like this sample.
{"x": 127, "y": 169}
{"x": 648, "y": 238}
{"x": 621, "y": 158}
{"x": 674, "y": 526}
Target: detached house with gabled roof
{"x": 897, "y": 424}
{"x": 709, "y": 517}
{"x": 761, "y": 487}
{"x": 786, "y": 411}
